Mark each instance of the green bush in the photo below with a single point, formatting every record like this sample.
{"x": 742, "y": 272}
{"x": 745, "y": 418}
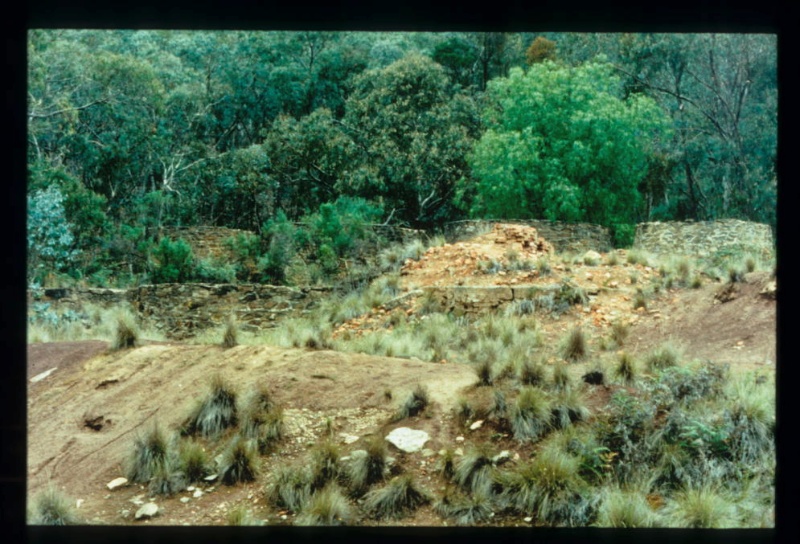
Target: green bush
{"x": 173, "y": 262}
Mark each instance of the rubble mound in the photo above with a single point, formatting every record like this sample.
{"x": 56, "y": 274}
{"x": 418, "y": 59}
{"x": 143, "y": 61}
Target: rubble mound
{"x": 508, "y": 250}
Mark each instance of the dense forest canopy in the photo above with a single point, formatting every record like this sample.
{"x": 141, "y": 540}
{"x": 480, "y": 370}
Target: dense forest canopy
{"x": 132, "y": 130}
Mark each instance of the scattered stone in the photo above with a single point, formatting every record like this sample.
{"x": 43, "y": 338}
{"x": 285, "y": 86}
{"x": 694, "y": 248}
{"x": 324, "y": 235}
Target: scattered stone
{"x": 137, "y": 500}
{"x": 211, "y": 478}
{"x": 190, "y": 488}
{"x": 770, "y": 291}
{"x": 125, "y": 513}
{"x": 528, "y": 519}
{"x": 459, "y": 439}
{"x": 476, "y": 425}
{"x": 197, "y": 494}
{"x": 43, "y": 375}
{"x": 591, "y": 256}
{"x": 184, "y": 500}
{"x": 408, "y": 440}
{"x": 147, "y": 511}
{"x": 428, "y": 452}
{"x": 78, "y": 503}
{"x": 501, "y": 457}
{"x": 349, "y": 438}
{"x": 594, "y": 377}
{"x": 459, "y": 451}
{"x": 358, "y": 454}
{"x": 115, "y": 483}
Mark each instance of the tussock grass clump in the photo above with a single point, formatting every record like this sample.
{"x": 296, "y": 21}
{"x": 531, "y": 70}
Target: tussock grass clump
{"x": 499, "y": 406}
{"x": 520, "y": 308}
{"x": 261, "y": 420}
{"x": 543, "y": 266}
{"x": 625, "y": 369}
{"x": 697, "y": 282}
{"x": 396, "y": 500}
{"x": 701, "y": 508}
{"x": 290, "y": 487}
{"x": 325, "y": 466}
{"x": 531, "y": 373}
{"x": 551, "y": 487}
{"x": 166, "y": 481}
{"x": 192, "y": 460}
{"x": 735, "y": 275}
{"x": 530, "y": 415}
{"x": 240, "y": 516}
{"x": 640, "y": 300}
{"x": 126, "y": 335}
{"x": 52, "y": 507}
{"x": 751, "y": 417}
{"x": 446, "y": 464}
{"x": 485, "y": 373}
{"x": 414, "y": 404}
{"x": 665, "y": 356}
{"x": 695, "y": 382}
{"x": 150, "y": 454}
{"x": 464, "y": 510}
{"x": 239, "y": 462}
{"x": 474, "y": 471}
{"x": 575, "y": 346}
{"x": 231, "y": 336}
{"x": 328, "y": 506}
{"x": 637, "y": 256}
{"x": 214, "y": 414}
{"x": 464, "y": 411}
{"x": 619, "y": 332}
{"x": 612, "y": 259}
{"x": 625, "y": 510}
{"x": 561, "y": 378}
{"x": 368, "y": 469}
{"x": 567, "y": 408}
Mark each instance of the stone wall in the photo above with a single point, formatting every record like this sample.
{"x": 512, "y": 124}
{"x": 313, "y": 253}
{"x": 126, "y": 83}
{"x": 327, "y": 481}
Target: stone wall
{"x": 205, "y": 241}
{"x": 576, "y": 237}
{"x": 182, "y": 310}
{"x": 705, "y": 238}
{"x": 462, "y": 299}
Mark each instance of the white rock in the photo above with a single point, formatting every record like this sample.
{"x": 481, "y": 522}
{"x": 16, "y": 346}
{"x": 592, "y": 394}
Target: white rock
{"x": 476, "y": 425}
{"x": 349, "y": 438}
{"x": 137, "y": 500}
{"x": 211, "y": 478}
{"x": 147, "y": 511}
{"x": 197, "y": 494}
{"x": 428, "y": 452}
{"x": 591, "y": 256}
{"x": 358, "y": 454}
{"x": 43, "y": 375}
{"x": 408, "y": 440}
{"x": 528, "y": 520}
{"x": 78, "y": 503}
{"x": 459, "y": 451}
{"x": 190, "y": 488}
{"x": 459, "y": 439}
{"x": 501, "y": 457}
{"x": 118, "y": 482}
{"x": 184, "y": 500}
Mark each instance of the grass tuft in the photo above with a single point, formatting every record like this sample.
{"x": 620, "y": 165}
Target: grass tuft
{"x": 150, "y": 454}
{"x": 324, "y": 464}
{"x": 290, "y": 488}
{"x": 531, "y": 373}
{"x": 701, "y": 508}
{"x": 624, "y": 510}
{"x": 464, "y": 510}
{"x": 626, "y": 368}
{"x": 575, "y": 346}
{"x": 414, "y": 404}
{"x": 239, "y": 462}
{"x": 619, "y": 332}
{"x": 216, "y": 413}
{"x": 396, "y": 500}
{"x": 230, "y": 337}
{"x": 52, "y": 507}
{"x": 484, "y": 371}
{"x": 192, "y": 460}
{"x": 167, "y": 482}
{"x": 567, "y": 408}
{"x": 474, "y": 471}
{"x": 240, "y": 516}
{"x": 530, "y": 415}
{"x": 261, "y": 420}
{"x": 368, "y": 469}
{"x": 327, "y": 507}
{"x": 665, "y": 356}
{"x": 126, "y": 335}
{"x": 561, "y": 378}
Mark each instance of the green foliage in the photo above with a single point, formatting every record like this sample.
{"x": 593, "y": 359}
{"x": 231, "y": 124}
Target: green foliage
{"x": 192, "y": 460}
{"x": 399, "y": 498}
{"x": 50, "y": 236}
{"x": 281, "y": 234}
{"x": 562, "y": 144}
{"x": 530, "y": 415}
{"x": 664, "y": 356}
{"x": 540, "y": 50}
{"x": 173, "y": 261}
{"x": 327, "y": 507}
{"x": 52, "y": 507}
{"x": 464, "y": 510}
{"x": 290, "y": 487}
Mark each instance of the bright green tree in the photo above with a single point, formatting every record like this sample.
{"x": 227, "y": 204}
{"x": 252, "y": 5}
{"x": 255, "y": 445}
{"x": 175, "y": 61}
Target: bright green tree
{"x": 562, "y": 144}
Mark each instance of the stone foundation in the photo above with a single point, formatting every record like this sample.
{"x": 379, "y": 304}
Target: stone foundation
{"x": 705, "y": 238}
{"x": 574, "y": 237}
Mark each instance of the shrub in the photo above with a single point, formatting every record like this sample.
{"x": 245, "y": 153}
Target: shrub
{"x": 691, "y": 384}
{"x": 665, "y": 356}
{"x": 519, "y": 308}
{"x": 209, "y": 271}
{"x": 239, "y": 462}
{"x": 415, "y": 403}
{"x": 290, "y": 488}
{"x": 214, "y": 414}
{"x": 327, "y": 507}
{"x": 174, "y": 262}
{"x": 126, "y": 335}
{"x": 396, "y": 500}
{"x": 230, "y": 337}
{"x": 575, "y": 347}
{"x": 368, "y": 469}
{"x": 751, "y": 419}
{"x": 624, "y": 510}
{"x": 51, "y": 507}
{"x": 150, "y": 453}
{"x": 530, "y": 415}
{"x": 464, "y": 510}
{"x": 561, "y": 379}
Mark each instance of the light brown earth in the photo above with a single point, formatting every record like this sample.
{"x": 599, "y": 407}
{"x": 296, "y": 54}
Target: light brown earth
{"x": 84, "y": 416}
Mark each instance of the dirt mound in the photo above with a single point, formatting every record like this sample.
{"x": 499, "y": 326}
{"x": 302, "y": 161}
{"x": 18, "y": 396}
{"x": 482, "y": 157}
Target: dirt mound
{"x": 506, "y": 246}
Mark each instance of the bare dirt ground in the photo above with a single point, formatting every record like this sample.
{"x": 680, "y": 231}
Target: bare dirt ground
{"x": 84, "y": 415}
